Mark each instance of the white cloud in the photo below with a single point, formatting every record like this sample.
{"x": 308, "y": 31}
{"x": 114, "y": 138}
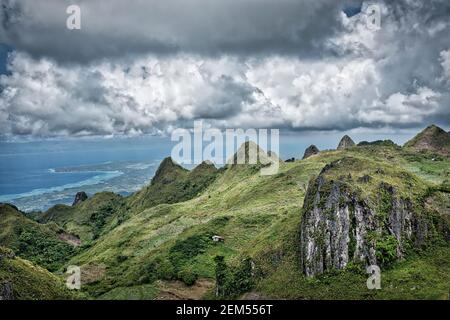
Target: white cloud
{"x": 397, "y": 76}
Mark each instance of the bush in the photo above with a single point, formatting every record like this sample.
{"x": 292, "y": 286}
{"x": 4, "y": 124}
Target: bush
{"x": 386, "y": 250}
{"x": 232, "y": 283}
{"x": 160, "y": 268}
{"x": 445, "y": 186}
{"x": 121, "y": 258}
{"x": 188, "y": 276}
{"x": 43, "y": 249}
{"x": 98, "y": 220}
{"x": 186, "y": 249}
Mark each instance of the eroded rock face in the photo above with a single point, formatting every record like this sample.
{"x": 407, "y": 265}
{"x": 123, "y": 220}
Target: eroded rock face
{"x": 310, "y": 151}
{"x": 346, "y": 142}
{"x": 6, "y": 291}
{"x": 79, "y": 197}
{"x": 338, "y": 227}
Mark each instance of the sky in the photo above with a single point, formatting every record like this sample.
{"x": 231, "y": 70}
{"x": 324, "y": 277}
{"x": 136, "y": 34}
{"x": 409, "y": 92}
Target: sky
{"x": 148, "y": 67}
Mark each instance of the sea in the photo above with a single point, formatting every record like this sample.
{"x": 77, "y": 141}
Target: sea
{"x": 35, "y": 175}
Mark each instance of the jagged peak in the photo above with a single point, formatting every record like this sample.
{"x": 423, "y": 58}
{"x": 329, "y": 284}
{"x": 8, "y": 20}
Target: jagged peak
{"x": 433, "y": 127}
{"x": 205, "y": 165}
{"x": 79, "y": 197}
{"x": 250, "y": 153}
{"x": 432, "y": 138}
{"x": 346, "y": 142}
{"x": 168, "y": 161}
{"x": 310, "y": 151}
{"x": 430, "y": 130}
{"x": 167, "y": 171}
{"x": 8, "y": 206}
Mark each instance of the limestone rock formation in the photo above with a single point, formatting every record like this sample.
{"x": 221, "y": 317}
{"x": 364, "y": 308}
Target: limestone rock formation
{"x": 346, "y": 142}
{"x": 79, "y": 197}
{"x": 6, "y": 291}
{"x": 310, "y": 151}
{"x": 340, "y": 226}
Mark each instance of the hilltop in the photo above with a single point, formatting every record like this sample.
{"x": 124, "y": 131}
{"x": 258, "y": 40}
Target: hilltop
{"x": 158, "y": 242}
{"x": 172, "y": 183}
{"x": 433, "y": 139}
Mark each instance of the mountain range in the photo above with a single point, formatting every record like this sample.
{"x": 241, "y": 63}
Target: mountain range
{"x": 307, "y": 232}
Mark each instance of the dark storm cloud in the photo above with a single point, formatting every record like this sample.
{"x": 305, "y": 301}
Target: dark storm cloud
{"x": 152, "y": 66}
{"x": 210, "y": 27}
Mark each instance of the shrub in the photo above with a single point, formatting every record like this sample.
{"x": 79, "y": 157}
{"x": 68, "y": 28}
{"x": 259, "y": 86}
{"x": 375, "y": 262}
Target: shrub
{"x": 160, "y": 268}
{"x": 188, "y": 276}
{"x": 232, "y": 283}
{"x": 386, "y": 250}
{"x": 121, "y": 258}
{"x": 43, "y": 249}
{"x": 186, "y": 249}
{"x": 98, "y": 220}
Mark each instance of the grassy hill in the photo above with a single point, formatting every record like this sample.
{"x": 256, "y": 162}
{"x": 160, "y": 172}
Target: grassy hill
{"x": 99, "y": 214}
{"x": 157, "y": 242}
{"x": 433, "y": 139}
{"x": 172, "y": 183}
{"x": 39, "y": 243}
{"x": 87, "y": 219}
{"x": 21, "y": 279}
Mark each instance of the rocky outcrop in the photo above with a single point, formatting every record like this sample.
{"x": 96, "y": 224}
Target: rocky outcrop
{"x": 6, "y": 288}
{"x": 6, "y": 253}
{"x": 6, "y": 291}
{"x": 79, "y": 197}
{"x": 346, "y": 142}
{"x": 310, "y": 151}
{"x": 339, "y": 226}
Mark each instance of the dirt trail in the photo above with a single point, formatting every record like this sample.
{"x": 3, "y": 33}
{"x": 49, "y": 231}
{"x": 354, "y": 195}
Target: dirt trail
{"x": 70, "y": 239}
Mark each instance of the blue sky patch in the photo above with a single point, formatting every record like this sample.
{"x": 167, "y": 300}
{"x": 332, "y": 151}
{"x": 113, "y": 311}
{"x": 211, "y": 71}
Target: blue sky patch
{"x": 4, "y": 50}
{"x": 352, "y": 10}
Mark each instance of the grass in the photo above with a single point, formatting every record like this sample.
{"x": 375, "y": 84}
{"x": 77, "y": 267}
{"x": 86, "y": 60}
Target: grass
{"x": 418, "y": 277}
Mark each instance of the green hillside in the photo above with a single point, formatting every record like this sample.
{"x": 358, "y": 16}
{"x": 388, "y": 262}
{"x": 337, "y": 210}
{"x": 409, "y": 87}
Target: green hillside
{"x": 21, "y": 279}
{"x": 172, "y": 183}
{"x": 87, "y": 219}
{"x": 433, "y": 139}
{"x": 158, "y": 242}
{"x": 39, "y": 243}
